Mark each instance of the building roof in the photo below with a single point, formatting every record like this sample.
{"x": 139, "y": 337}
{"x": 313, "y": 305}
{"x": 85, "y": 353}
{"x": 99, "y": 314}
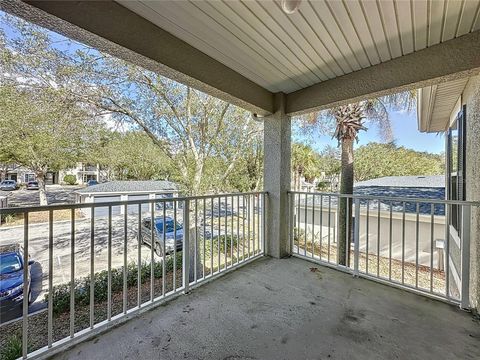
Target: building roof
{"x": 436, "y": 103}
{"x": 432, "y": 181}
{"x": 149, "y": 186}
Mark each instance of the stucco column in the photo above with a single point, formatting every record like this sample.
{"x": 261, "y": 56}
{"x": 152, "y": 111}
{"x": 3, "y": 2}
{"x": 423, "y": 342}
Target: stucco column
{"x": 471, "y": 98}
{"x": 276, "y": 174}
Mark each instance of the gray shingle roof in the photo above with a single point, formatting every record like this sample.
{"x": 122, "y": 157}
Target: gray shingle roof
{"x": 130, "y": 186}
{"x": 433, "y": 181}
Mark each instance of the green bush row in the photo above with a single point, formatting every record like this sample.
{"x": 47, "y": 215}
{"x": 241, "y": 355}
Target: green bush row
{"x": 231, "y": 240}
{"x": 61, "y": 293}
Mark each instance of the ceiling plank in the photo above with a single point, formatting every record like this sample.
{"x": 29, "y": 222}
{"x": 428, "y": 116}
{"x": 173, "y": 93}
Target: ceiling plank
{"x": 450, "y": 60}
{"x": 112, "y": 28}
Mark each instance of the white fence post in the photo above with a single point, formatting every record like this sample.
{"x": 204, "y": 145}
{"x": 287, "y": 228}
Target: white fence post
{"x": 186, "y": 246}
{"x": 356, "y": 238}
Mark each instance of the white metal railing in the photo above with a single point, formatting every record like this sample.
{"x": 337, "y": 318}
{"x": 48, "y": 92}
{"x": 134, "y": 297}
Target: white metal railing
{"x": 195, "y": 239}
{"x": 412, "y": 243}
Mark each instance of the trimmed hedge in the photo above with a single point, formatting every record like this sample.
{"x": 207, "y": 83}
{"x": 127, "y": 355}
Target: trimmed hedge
{"x": 61, "y": 293}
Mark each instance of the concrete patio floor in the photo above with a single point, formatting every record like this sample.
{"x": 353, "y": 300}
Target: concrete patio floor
{"x": 280, "y": 309}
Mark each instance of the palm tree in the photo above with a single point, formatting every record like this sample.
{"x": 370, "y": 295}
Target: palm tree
{"x": 349, "y": 121}
{"x": 305, "y": 161}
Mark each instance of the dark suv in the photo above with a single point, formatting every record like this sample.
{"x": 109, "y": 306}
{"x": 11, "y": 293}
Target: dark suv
{"x": 11, "y": 276}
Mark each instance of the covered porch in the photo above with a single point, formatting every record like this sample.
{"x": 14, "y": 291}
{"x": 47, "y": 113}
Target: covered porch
{"x": 291, "y": 309}
{"x": 253, "y": 55}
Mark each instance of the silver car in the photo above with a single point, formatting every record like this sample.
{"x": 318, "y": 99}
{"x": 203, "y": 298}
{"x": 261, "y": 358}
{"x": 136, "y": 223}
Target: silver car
{"x": 172, "y": 230}
{"x": 8, "y": 185}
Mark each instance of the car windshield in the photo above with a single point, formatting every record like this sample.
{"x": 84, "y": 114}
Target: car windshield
{"x": 9, "y": 263}
{"x": 168, "y": 225}
{"x": 7, "y": 182}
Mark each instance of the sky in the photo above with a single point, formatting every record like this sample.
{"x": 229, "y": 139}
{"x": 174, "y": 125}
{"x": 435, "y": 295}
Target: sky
{"x": 405, "y": 133}
{"x": 404, "y": 124}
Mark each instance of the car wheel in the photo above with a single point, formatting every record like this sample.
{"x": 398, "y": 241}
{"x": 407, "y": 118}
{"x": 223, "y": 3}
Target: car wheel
{"x": 158, "y": 249}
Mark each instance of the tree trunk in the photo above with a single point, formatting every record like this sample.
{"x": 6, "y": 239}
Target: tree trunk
{"x": 345, "y": 205}
{"x": 197, "y": 178}
{"x": 42, "y": 193}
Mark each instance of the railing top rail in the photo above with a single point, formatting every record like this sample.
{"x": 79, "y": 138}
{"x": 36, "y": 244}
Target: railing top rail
{"x": 28, "y": 209}
{"x": 390, "y": 198}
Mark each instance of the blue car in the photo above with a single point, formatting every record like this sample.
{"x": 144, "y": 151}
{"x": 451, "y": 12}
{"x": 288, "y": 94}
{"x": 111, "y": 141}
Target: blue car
{"x": 11, "y": 276}
{"x": 172, "y": 230}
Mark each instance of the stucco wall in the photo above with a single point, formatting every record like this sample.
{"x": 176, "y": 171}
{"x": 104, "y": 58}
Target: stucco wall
{"x": 471, "y": 98}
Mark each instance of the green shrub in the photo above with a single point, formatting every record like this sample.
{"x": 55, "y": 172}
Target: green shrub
{"x": 12, "y": 348}
{"x": 231, "y": 240}
{"x": 61, "y": 293}
{"x": 70, "y": 179}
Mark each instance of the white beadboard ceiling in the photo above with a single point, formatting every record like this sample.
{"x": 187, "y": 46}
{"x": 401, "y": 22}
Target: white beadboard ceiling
{"x": 436, "y": 103}
{"x": 323, "y": 40}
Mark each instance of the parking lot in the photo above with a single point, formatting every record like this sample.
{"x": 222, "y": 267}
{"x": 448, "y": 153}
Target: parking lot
{"x": 38, "y": 251}
{"x": 56, "y": 194}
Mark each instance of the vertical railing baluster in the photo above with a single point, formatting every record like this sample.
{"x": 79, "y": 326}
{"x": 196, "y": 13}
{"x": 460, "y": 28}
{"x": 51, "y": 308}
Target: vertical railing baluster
{"x": 367, "y": 240}
{"x": 125, "y": 259}
{"x": 175, "y": 245}
{"x": 403, "y": 243}
{"x": 291, "y": 220}
{"x": 186, "y": 247}
{"x": 109, "y": 265}
{"x": 432, "y": 234}
{"x": 378, "y": 238}
{"x": 72, "y": 273}
{"x": 92, "y": 266}
{"x": 226, "y": 231}
{"x": 447, "y": 252}
{"x": 264, "y": 214}
{"x": 248, "y": 224}
{"x": 347, "y": 234}
{"x": 298, "y": 223}
{"x": 337, "y": 237}
{"x": 253, "y": 223}
{"x": 153, "y": 243}
{"x": 195, "y": 250}
{"x": 243, "y": 227}
{"x": 256, "y": 201}
{"x": 139, "y": 257}
{"x": 26, "y": 287}
{"x": 219, "y": 216}
{"x": 321, "y": 227}
{"x": 313, "y": 226}
{"x": 231, "y": 233}
{"x": 204, "y": 236}
{"x": 465, "y": 254}
{"x": 238, "y": 229}
{"x": 390, "y": 244}
{"x": 211, "y": 236}
{"x": 417, "y": 231}
{"x": 50, "y": 278}
{"x": 305, "y": 226}
{"x": 329, "y": 225}
{"x": 356, "y": 237}
{"x": 164, "y": 243}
